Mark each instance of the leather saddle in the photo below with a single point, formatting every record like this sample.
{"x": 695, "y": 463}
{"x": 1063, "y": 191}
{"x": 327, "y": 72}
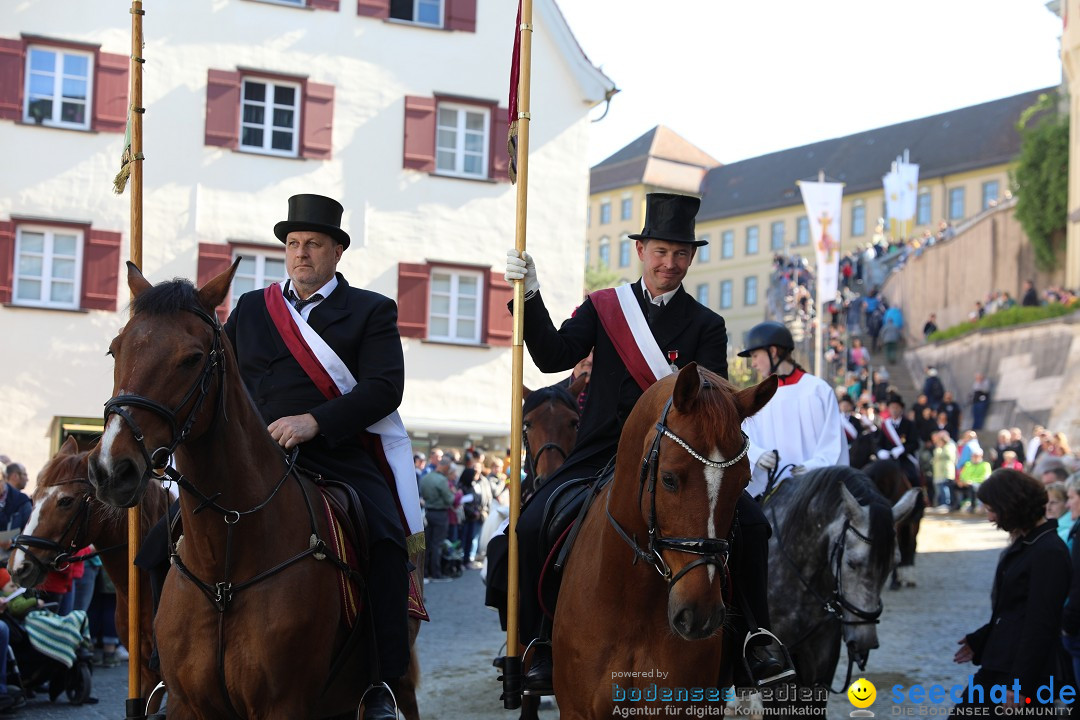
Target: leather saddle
{"x": 345, "y": 505}
{"x": 567, "y": 506}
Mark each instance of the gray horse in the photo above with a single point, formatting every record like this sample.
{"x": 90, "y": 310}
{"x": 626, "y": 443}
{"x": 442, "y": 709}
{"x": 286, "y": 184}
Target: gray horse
{"x": 832, "y": 549}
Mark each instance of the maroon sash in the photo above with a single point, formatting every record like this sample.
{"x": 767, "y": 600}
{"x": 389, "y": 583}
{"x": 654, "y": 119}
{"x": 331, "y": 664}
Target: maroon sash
{"x": 611, "y": 317}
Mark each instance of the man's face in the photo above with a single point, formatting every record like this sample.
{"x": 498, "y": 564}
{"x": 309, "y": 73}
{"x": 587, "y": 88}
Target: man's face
{"x": 311, "y": 259}
{"x": 947, "y": 397}
{"x": 761, "y": 362}
{"x": 896, "y": 411}
{"x": 664, "y": 264}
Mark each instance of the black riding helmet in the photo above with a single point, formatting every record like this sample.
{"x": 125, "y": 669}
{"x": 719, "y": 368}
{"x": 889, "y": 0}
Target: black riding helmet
{"x": 766, "y": 334}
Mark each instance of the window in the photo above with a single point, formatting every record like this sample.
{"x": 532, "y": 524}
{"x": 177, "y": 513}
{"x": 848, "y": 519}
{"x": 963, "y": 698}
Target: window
{"x": 462, "y": 144}
{"x": 750, "y": 290}
{"x": 922, "y": 209}
{"x": 47, "y": 266}
{"x": 421, "y": 12}
{"x": 270, "y": 117}
{"x": 858, "y": 219}
{"x": 990, "y": 190}
{"x": 588, "y": 216}
{"x": 626, "y": 208}
{"x": 703, "y": 294}
{"x": 802, "y": 231}
{"x": 776, "y": 235}
{"x": 624, "y": 252}
{"x": 605, "y": 253}
{"x": 58, "y": 86}
{"x": 455, "y": 306}
{"x": 752, "y": 243}
{"x": 727, "y": 242}
{"x": 956, "y": 203}
{"x": 725, "y": 294}
{"x": 704, "y": 252}
{"x": 257, "y": 271}
{"x": 605, "y": 212}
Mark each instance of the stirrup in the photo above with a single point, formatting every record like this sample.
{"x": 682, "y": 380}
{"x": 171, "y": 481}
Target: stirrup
{"x": 384, "y": 685}
{"x": 787, "y": 667}
{"x": 525, "y": 652}
{"x": 159, "y": 689}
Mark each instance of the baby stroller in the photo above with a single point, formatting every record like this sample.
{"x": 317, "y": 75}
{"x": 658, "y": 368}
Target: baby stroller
{"x": 51, "y": 653}
{"x": 452, "y": 559}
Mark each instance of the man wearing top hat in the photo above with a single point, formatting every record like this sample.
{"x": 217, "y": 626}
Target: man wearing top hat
{"x": 360, "y": 327}
{"x": 684, "y": 330}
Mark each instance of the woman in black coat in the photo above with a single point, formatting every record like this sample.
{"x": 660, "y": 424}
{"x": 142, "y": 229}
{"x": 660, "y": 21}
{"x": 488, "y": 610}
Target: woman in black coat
{"x": 1021, "y": 641}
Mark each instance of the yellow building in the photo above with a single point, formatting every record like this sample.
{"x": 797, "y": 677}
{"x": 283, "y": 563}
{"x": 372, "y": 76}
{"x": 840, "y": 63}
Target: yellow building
{"x": 752, "y": 210}
{"x": 1070, "y": 60}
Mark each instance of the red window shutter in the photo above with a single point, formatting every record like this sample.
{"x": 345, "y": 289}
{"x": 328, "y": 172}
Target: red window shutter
{"x": 214, "y": 259}
{"x": 373, "y": 8}
{"x": 412, "y": 299}
{"x": 110, "y": 92}
{"x": 222, "y": 108}
{"x": 461, "y": 15}
{"x": 7, "y": 260}
{"x": 499, "y": 325}
{"x": 419, "y": 133}
{"x": 499, "y": 165}
{"x": 12, "y": 56}
{"x": 317, "y": 141}
{"x": 101, "y": 270}
{"x": 324, "y": 4}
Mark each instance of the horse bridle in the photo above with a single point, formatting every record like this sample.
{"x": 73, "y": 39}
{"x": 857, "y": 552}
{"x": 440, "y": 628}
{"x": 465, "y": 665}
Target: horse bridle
{"x": 712, "y": 551}
{"x": 532, "y": 461}
{"x": 65, "y": 552}
{"x": 158, "y": 460}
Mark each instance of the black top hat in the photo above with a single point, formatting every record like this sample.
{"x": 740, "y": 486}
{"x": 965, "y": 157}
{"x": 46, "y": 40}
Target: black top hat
{"x": 670, "y": 217}
{"x": 315, "y": 213}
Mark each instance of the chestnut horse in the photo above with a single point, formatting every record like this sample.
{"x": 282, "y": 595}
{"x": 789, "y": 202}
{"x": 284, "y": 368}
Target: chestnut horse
{"x": 251, "y": 622}
{"x": 646, "y": 585}
{"x": 67, "y": 518}
{"x": 550, "y": 419}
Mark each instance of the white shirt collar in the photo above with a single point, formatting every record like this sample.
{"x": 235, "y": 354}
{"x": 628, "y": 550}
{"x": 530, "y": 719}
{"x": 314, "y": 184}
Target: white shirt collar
{"x": 659, "y": 299}
{"x": 325, "y": 291}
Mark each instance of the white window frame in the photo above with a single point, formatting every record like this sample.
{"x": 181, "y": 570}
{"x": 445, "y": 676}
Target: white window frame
{"x": 802, "y": 231}
{"x": 459, "y": 145}
{"x": 259, "y": 279}
{"x": 452, "y": 317}
{"x": 858, "y": 219}
{"x": 624, "y": 251}
{"x": 750, "y": 281}
{"x": 47, "y": 257}
{"x": 702, "y": 294}
{"x": 416, "y": 14}
{"x": 962, "y": 195}
{"x": 727, "y": 285}
{"x": 58, "y": 85}
{"x": 605, "y": 211}
{"x": 997, "y": 193}
{"x": 603, "y": 254}
{"x": 626, "y": 207}
{"x": 267, "y": 126}
{"x": 727, "y": 244}
{"x": 919, "y": 199}
{"x": 704, "y": 253}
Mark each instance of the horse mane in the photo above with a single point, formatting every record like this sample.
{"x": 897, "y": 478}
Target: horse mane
{"x": 817, "y": 494}
{"x": 167, "y": 298}
{"x": 715, "y": 407}
{"x": 554, "y": 393}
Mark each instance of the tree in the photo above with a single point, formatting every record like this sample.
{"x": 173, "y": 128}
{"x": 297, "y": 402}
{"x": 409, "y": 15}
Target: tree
{"x": 599, "y": 278}
{"x": 1041, "y": 179}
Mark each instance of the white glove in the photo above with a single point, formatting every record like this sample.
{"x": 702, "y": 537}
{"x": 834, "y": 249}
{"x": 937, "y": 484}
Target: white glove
{"x": 883, "y": 455}
{"x": 768, "y": 460}
{"x": 521, "y": 267}
{"x": 798, "y": 470}
{"x": 897, "y": 451}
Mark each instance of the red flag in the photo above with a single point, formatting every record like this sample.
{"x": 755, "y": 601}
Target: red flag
{"x": 515, "y": 69}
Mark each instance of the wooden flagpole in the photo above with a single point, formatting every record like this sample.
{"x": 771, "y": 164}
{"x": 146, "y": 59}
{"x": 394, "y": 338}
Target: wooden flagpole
{"x": 135, "y": 111}
{"x": 512, "y": 669}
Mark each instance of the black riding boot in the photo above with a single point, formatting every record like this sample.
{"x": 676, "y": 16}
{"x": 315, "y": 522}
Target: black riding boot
{"x": 538, "y": 679}
{"x": 379, "y": 704}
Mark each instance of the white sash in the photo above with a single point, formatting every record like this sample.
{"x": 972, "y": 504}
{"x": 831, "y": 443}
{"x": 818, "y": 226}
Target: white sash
{"x": 391, "y": 430}
{"x": 643, "y": 336}
{"x": 849, "y": 428}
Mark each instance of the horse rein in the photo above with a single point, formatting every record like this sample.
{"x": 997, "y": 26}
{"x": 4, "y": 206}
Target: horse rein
{"x": 532, "y": 462}
{"x": 65, "y": 554}
{"x": 713, "y": 551}
{"x": 158, "y": 460}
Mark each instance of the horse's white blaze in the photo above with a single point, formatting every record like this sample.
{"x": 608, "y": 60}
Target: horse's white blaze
{"x": 32, "y": 523}
{"x": 713, "y": 478}
{"x": 112, "y": 430}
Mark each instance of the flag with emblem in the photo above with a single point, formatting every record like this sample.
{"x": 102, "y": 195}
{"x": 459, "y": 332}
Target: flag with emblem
{"x": 515, "y": 71}
{"x": 823, "y": 211}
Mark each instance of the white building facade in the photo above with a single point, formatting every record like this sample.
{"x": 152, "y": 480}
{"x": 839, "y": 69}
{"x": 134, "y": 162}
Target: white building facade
{"x": 397, "y": 108}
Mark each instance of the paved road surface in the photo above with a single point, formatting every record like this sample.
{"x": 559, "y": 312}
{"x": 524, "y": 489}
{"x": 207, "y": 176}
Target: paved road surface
{"x": 918, "y": 633}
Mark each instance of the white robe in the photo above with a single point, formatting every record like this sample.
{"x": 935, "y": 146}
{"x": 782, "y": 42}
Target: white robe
{"x": 802, "y": 423}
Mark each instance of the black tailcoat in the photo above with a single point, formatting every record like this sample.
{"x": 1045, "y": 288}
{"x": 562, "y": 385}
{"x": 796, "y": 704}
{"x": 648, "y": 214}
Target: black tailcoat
{"x": 361, "y": 327}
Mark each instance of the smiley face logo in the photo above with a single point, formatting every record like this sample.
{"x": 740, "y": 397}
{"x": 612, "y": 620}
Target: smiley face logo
{"x": 862, "y": 693}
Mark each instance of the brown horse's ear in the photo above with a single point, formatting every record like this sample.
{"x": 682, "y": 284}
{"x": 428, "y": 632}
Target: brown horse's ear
{"x": 578, "y": 386}
{"x": 214, "y": 292}
{"x": 70, "y": 446}
{"x": 137, "y": 284}
{"x": 525, "y": 392}
{"x": 754, "y": 397}
{"x": 687, "y": 387}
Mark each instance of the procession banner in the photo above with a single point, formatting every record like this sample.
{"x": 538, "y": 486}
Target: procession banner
{"x": 893, "y": 191}
{"x": 823, "y": 207}
{"x": 909, "y": 189}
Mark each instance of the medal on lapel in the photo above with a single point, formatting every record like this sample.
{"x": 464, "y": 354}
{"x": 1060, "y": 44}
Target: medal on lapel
{"x": 672, "y": 356}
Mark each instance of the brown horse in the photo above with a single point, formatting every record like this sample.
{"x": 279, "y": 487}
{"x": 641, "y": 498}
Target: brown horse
{"x": 550, "y": 420}
{"x": 646, "y": 586}
{"x": 67, "y": 518}
{"x": 250, "y": 622}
